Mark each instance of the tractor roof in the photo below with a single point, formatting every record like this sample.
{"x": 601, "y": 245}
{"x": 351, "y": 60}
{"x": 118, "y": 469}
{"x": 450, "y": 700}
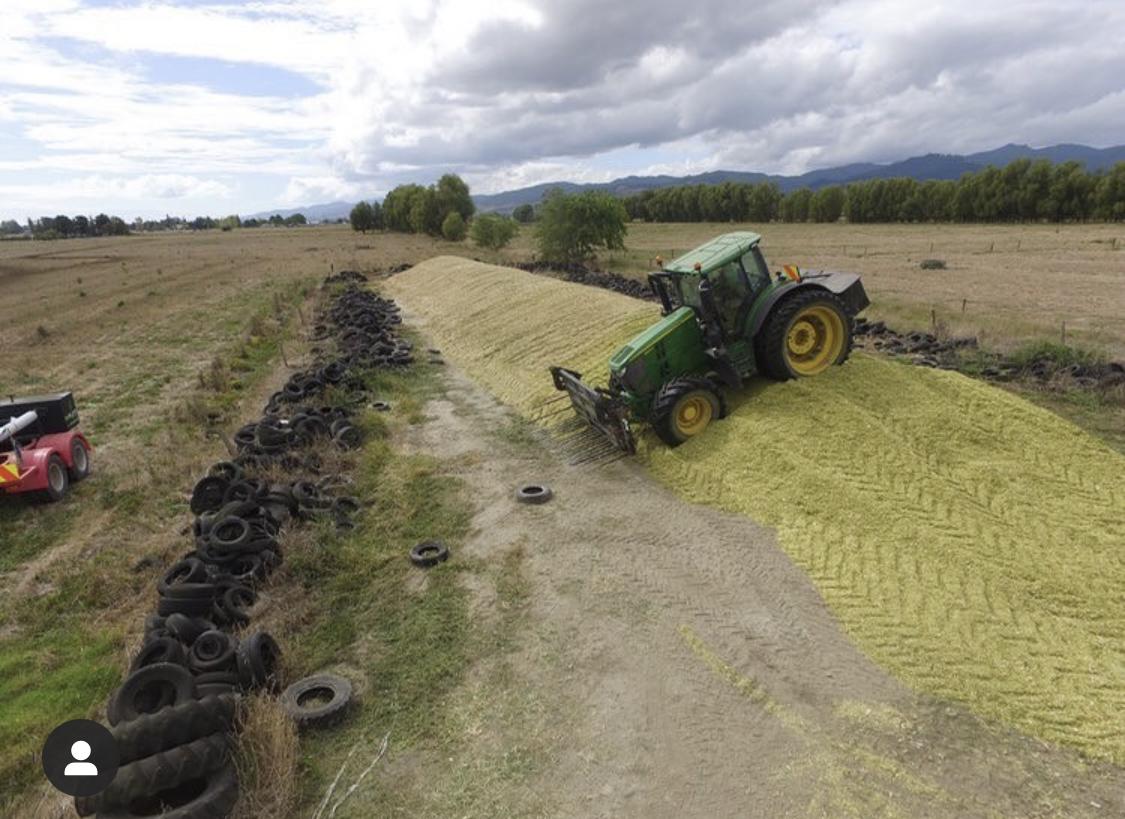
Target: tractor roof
{"x": 715, "y": 253}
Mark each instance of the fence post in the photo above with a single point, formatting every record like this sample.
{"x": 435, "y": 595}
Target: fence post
{"x": 933, "y": 318}
{"x": 1064, "y": 333}
{"x": 963, "y": 303}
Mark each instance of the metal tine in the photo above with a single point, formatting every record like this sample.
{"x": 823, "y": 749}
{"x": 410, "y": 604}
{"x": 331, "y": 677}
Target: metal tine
{"x": 609, "y": 459}
{"x": 554, "y": 400}
{"x": 553, "y": 413}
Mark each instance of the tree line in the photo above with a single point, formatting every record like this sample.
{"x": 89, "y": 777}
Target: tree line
{"x": 1022, "y": 191}
{"x": 68, "y": 227}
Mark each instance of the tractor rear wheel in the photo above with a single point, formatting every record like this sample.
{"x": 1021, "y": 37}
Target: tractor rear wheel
{"x": 58, "y": 481}
{"x": 684, "y": 407}
{"x": 804, "y": 335}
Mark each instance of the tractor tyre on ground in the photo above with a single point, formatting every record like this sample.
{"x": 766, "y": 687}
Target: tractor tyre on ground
{"x": 209, "y": 797}
{"x": 804, "y": 335}
{"x": 79, "y": 461}
{"x": 171, "y": 727}
{"x": 58, "y": 479}
{"x": 684, "y": 407}
{"x": 162, "y": 771}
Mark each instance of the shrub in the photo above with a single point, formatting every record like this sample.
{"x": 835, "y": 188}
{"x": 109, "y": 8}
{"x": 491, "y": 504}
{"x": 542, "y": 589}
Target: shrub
{"x": 453, "y": 227}
{"x": 362, "y": 217}
{"x": 933, "y": 264}
{"x": 524, "y": 214}
{"x": 570, "y": 227}
{"x": 493, "y": 231}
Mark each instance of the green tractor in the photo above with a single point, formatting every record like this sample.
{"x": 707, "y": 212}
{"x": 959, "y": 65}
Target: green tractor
{"x": 725, "y": 318}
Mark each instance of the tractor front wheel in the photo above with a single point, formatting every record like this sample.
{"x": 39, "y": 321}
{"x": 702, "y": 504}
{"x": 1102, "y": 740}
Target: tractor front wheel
{"x": 805, "y": 334}
{"x": 684, "y": 407}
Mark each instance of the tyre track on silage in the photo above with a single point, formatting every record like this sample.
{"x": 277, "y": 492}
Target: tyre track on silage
{"x": 967, "y": 540}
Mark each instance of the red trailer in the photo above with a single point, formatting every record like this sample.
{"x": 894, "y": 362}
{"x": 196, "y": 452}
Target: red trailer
{"x": 41, "y": 447}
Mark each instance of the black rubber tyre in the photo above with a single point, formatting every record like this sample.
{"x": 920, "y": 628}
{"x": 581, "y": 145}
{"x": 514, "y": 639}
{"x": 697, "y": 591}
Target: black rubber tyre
{"x": 191, "y": 606}
{"x": 147, "y": 690}
{"x": 58, "y": 480}
{"x": 429, "y": 553}
{"x": 212, "y": 651}
{"x": 210, "y": 797}
{"x": 348, "y": 437}
{"x": 187, "y": 629}
{"x": 207, "y": 496}
{"x": 258, "y": 659}
{"x": 79, "y": 460}
{"x": 668, "y": 408}
{"x": 298, "y": 700}
{"x": 190, "y": 573}
{"x": 159, "y": 650}
{"x": 534, "y": 493}
{"x": 152, "y": 733}
{"x": 162, "y": 771}
{"x": 230, "y": 533}
{"x": 226, "y": 469}
{"x": 771, "y": 339}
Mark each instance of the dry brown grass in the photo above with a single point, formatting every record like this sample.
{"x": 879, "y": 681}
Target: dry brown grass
{"x": 1018, "y": 282}
{"x": 266, "y": 756}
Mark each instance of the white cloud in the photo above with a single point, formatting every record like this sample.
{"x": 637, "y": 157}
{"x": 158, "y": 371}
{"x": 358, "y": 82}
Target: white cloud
{"x": 517, "y": 92}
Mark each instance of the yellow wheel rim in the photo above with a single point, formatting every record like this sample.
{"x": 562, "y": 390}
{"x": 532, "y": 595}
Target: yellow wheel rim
{"x": 815, "y": 340}
{"x": 693, "y": 414}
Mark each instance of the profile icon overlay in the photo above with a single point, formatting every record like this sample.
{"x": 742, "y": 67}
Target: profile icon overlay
{"x": 80, "y": 757}
{"x": 81, "y": 751}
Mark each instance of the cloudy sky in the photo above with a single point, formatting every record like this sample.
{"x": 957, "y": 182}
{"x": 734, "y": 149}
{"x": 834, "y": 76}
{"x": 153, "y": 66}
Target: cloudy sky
{"x": 206, "y": 106}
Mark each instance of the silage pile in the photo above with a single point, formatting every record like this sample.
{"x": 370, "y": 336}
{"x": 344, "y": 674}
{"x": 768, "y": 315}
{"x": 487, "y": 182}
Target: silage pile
{"x": 970, "y": 542}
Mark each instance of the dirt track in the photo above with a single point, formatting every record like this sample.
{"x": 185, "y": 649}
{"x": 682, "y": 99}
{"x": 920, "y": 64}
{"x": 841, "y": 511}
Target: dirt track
{"x": 968, "y": 541}
{"x": 675, "y": 662}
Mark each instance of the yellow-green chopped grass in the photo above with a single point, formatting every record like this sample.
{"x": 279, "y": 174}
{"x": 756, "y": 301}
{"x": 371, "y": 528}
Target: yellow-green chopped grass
{"x": 970, "y": 542}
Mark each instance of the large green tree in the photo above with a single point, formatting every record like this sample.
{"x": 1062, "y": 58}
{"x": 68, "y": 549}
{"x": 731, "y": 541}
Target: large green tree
{"x": 570, "y": 228}
{"x": 362, "y": 217}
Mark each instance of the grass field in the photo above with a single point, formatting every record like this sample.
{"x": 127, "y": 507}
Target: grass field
{"x": 164, "y": 338}
{"x": 967, "y": 540}
{"x": 1016, "y": 282}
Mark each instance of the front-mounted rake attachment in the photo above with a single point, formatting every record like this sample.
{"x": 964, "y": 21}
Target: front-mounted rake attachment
{"x": 598, "y": 408}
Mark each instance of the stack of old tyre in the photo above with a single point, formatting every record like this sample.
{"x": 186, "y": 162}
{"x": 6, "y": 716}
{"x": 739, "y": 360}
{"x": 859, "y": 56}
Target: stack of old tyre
{"x": 174, "y": 715}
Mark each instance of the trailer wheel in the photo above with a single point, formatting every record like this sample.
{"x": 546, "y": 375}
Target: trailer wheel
{"x": 58, "y": 479}
{"x": 79, "y": 461}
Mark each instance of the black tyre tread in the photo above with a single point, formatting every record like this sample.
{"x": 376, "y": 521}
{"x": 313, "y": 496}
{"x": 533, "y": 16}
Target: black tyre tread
{"x": 171, "y": 727}
{"x": 120, "y": 707}
{"x": 164, "y": 770}
{"x": 429, "y": 553}
{"x": 670, "y": 393}
{"x": 770, "y": 343}
{"x": 329, "y": 713}
{"x": 216, "y": 802}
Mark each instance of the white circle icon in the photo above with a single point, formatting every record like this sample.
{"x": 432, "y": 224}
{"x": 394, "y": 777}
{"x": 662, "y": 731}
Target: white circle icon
{"x": 80, "y": 750}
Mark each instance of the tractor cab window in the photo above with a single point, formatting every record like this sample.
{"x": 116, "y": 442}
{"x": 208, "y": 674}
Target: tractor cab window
{"x": 757, "y": 271}
{"x": 730, "y": 291}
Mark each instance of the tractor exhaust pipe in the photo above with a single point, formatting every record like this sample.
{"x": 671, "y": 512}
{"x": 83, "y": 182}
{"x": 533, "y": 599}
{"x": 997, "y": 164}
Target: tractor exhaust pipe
{"x": 17, "y": 424}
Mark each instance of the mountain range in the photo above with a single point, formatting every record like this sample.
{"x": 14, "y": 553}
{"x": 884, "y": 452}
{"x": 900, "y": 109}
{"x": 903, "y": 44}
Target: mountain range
{"x": 922, "y": 168}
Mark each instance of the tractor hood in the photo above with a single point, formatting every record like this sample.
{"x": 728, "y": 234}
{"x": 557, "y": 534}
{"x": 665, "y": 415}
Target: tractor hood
{"x": 648, "y": 338}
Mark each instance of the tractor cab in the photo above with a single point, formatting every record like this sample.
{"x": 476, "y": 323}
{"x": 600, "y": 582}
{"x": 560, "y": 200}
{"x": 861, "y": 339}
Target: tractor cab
{"x": 719, "y": 281}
